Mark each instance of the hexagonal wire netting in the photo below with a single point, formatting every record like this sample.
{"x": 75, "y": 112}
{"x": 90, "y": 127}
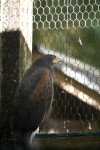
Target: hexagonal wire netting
{"x": 71, "y": 30}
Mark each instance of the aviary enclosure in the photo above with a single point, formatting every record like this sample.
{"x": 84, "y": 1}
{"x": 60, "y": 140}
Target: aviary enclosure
{"x": 69, "y": 29}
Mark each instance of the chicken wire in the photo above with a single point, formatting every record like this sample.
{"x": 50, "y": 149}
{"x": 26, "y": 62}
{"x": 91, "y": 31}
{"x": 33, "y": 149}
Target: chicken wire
{"x": 66, "y": 14}
{"x": 71, "y": 30}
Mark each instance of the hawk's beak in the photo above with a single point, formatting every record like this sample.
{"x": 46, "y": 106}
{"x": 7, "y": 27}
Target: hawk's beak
{"x": 56, "y": 60}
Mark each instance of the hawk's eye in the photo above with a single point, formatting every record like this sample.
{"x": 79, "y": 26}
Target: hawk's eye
{"x": 52, "y": 58}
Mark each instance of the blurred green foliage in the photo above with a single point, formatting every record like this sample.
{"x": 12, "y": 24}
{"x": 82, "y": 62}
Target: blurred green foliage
{"x": 83, "y": 42}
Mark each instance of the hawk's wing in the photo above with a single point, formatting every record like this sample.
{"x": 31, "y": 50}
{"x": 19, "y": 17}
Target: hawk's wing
{"x": 32, "y": 100}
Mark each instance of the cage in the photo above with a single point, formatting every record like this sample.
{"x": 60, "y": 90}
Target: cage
{"x": 66, "y": 29}
{"x": 69, "y": 29}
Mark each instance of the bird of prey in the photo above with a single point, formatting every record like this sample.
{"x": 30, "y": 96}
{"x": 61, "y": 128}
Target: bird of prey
{"x": 33, "y": 98}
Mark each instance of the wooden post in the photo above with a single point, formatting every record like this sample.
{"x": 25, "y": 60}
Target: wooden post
{"x": 16, "y": 57}
{"x": 26, "y": 12}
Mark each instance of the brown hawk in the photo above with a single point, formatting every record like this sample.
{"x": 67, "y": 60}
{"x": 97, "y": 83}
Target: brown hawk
{"x": 33, "y": 98}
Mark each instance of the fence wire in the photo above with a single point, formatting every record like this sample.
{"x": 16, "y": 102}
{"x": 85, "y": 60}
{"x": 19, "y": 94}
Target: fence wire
{"x": 71, "y": 30}
{"x": 66, "y": 14}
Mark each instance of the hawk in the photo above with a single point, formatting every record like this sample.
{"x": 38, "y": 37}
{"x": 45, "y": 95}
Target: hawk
{"x": 33, "y": 99}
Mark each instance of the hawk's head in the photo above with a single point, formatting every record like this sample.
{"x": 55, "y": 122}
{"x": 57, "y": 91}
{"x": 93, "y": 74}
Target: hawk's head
{"x": 49, "y": 60}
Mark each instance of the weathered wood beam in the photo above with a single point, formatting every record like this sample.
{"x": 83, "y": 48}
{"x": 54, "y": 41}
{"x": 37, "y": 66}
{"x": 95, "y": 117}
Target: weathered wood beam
{"x": 77, "y": 89}
{"x": 16, "y": 55}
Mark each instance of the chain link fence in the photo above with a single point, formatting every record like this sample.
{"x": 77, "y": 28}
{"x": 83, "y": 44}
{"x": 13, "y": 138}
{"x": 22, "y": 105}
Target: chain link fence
{"x": 71, "y": 30}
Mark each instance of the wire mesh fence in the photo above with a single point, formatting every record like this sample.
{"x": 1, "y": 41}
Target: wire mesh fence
{"x": 71, "y": 30}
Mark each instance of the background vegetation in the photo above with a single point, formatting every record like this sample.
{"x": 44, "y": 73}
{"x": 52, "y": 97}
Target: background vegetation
{"x": 70, "y": 27}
